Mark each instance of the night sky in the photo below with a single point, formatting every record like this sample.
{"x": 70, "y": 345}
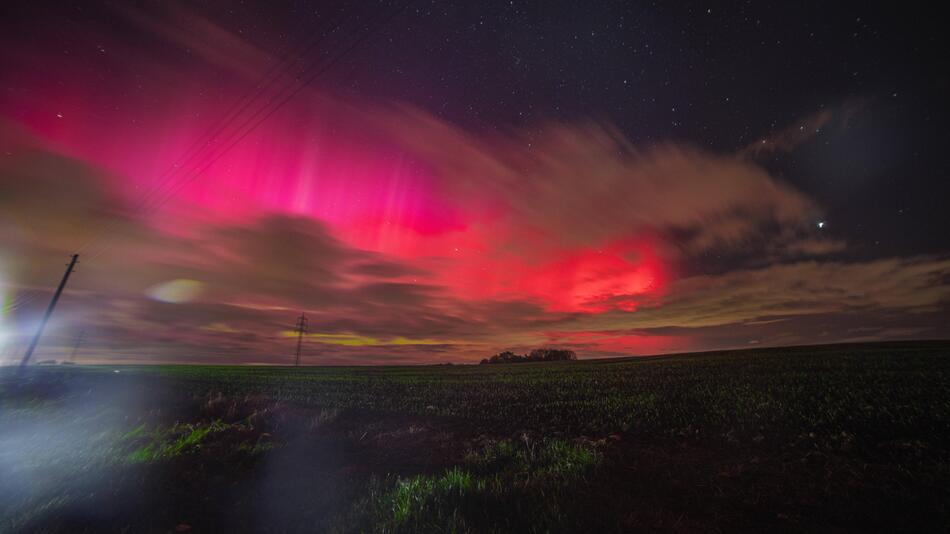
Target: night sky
{"x": 438, "y": 181}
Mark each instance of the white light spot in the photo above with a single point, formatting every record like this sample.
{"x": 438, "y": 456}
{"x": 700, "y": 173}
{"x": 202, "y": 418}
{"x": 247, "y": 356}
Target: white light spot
{"x": 175, "y": 291}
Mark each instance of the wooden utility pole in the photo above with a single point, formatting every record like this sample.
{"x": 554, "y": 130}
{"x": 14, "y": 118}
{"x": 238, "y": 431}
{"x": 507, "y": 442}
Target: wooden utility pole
{"x": 301, "y": 329}
{"x": 49, "y": 311}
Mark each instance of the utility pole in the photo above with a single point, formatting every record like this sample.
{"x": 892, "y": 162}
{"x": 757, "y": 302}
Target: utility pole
{"x": 79, "y": 340}
{"x": 49, "y": 311}
{"x": 301, "y": 329}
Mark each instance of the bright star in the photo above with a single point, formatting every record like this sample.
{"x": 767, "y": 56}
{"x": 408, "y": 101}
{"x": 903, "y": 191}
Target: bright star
{"x": 821, "y": 224}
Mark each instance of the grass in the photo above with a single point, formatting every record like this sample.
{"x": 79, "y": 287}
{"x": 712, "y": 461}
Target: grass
{"x": 173, "y": 442}
{"x": 835, "y": 437}
{"x": 862, "y": 390}
{"x": 509, "y": 485}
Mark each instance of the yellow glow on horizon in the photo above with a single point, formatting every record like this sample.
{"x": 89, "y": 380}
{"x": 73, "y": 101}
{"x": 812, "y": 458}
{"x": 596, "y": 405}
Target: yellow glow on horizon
{"x": 220, "y": 327}
{"x": 356, "y": 340}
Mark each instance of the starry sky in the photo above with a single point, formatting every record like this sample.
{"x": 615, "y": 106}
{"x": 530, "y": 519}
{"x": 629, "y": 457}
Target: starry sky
{"x": 438, "y": 181}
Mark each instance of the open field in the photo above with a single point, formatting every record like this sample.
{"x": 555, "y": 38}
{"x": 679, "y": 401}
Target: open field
{"x": 832, "y": 438}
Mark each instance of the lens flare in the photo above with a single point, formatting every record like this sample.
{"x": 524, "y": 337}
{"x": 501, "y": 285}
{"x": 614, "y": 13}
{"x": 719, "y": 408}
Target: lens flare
{"x": 175, "y": 291}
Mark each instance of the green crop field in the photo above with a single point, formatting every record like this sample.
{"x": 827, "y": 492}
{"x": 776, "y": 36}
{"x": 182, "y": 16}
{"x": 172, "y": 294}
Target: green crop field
{"x": 847, "y": 437}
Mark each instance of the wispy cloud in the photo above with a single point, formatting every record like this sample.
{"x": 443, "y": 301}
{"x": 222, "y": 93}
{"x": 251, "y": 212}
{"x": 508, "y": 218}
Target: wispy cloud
{"x": 800, "y": 131}
{"x": 406, "y": 238}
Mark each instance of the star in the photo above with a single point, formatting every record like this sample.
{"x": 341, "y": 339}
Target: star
{"x": 821, "y": 224}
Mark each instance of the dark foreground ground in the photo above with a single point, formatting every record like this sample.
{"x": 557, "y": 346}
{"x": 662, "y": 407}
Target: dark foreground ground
{"x": 818, "y": 439}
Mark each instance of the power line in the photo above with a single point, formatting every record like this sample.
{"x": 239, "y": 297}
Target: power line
{"x": 274, "y": 103}
{"x": 253, "y": 124}
{"x": 277, "y": 101}
{"x": 276, "y": 71}
{"x": 271, "y": 76}
{"x": 21, "y": 301}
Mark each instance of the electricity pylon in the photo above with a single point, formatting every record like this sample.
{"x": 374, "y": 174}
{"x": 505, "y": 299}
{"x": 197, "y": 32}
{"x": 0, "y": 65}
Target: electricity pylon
{"x": 79, "y": 339}
{"x": 301, "y": 329}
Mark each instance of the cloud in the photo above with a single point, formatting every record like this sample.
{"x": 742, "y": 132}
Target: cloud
{"x": 586, "y": 183}
{"x": 809, "y": 246}
{"x": 37, "y": 185}
{"x": 189, "y": 31}
{"x": 409, "y": 239}
{"x": 354, "y": 340}
{"x": 366, "y": 306}
{"x": 891, "y": 285}
{"x": 800, "y": 131}
{"x": 807, "y": 302}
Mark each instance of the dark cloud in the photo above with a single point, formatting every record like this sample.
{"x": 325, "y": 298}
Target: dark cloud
{"x": 895, "y": 285}
{"x": 571, "y": 185}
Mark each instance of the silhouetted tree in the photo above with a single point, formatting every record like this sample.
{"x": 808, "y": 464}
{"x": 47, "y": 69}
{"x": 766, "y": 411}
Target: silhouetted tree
{"x": 536, "y": 355}
{"x": 551, "y": 355}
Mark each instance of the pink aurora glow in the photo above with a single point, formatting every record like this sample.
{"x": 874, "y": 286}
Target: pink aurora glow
{"x": 311, "y": 161}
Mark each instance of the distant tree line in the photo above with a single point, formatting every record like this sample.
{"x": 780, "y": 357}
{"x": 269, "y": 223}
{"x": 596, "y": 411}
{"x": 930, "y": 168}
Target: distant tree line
{"x": 537, "y": 355}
